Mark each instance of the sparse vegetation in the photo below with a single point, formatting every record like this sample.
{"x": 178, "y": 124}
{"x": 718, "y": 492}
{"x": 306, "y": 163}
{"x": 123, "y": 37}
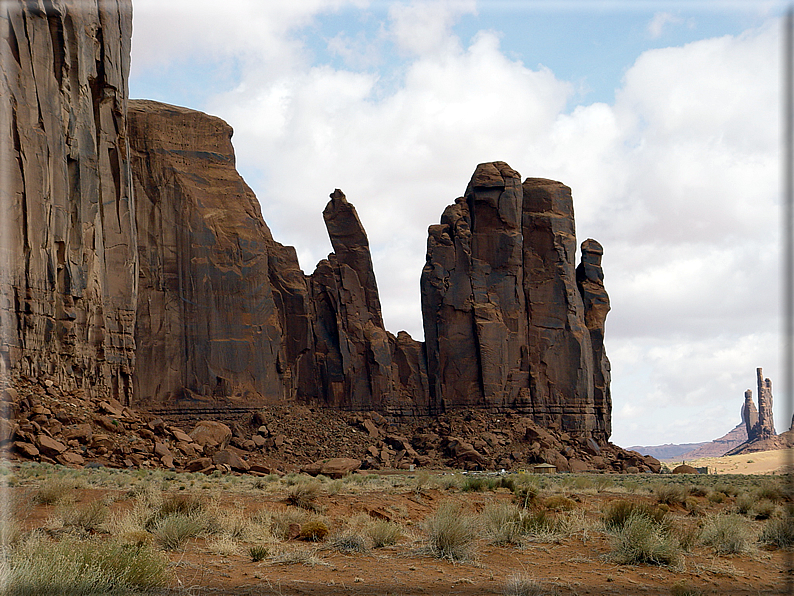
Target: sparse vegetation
{"x": 304, "y": 494}
{"x": 523, "y": 585}
{"x": 642, "y": 540}
{"x": 384, "y": 533}
{"x": 314, "y": 530}
{"x": 779, "y": 532}
{"x": 451, "y": 532}
{"x": 41, "y": 567}
{"x": 726, "y": 533}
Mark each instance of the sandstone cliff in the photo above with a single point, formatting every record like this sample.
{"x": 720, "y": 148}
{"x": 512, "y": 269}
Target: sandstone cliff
{"x": 68, "y": 260}
{"x": 759, "y": 423}
{"x": 208, "y": 328}
{"x": 131, "y": 235}
{"x": 505, "y": 321}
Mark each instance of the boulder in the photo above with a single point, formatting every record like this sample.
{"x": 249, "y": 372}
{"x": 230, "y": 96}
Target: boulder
{"x": 199, "y": 465}
{"x": 231, "y": 459}
{"x": 49, "y": 446}
{"x": 336, "y": 467}
{"x": 684, "y": 469}
{"x": 211, "y": 434}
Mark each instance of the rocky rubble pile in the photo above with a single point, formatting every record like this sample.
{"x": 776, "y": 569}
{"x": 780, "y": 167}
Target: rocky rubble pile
{"x": 42, "y": 422}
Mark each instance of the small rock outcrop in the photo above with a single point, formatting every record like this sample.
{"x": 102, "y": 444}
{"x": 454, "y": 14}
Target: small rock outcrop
{"x": 508, "y": 321}
{"x": 68, "y": 259}
{"x": 759, "y": 422}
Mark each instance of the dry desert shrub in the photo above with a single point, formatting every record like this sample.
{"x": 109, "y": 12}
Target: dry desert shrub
{"x": 304, "y": 494}
{"x": 779, "y": 532}
{"x": 684, "y": 589}
{"x": 726, "y": 533}
{"x": 298, "y": 556}
{"x": 90, "y": 517}
{"x": 523, "y": 585}
{"x": 350, "y": 542}
{"x": 54, "y": 490}
{"x": 559, "y": 503}
{"x": 282, "y": 519}
{"x": 744, "y": 504}
{"x": 451, "y": 532}
{"x": 502, "y": 523}
{"x": 669, "y": 493}
{"x": 40, "y": 567}
{"x": 224, "y": 546}
{"x": 642, "y": 540}
{"x": 383, "y": 533}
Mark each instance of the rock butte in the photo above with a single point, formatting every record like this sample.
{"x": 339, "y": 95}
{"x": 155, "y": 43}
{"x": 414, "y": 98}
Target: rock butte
{"x": 136, "y": 264}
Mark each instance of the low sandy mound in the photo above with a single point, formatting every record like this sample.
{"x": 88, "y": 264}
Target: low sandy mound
{"x": 760, "y": 462}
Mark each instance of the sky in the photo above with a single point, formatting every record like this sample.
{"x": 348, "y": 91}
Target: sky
{"x": 662, "y": 117}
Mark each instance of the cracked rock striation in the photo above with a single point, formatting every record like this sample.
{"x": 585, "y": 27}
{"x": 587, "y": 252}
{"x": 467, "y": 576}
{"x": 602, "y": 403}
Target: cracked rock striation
{"x": 509, "y": 322}
{"x": 68, "y": 259}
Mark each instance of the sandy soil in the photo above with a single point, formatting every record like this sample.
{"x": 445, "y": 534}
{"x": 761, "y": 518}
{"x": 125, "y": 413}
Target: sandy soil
{"x": 574, "y": 564}
{"x": 760, "y": 462}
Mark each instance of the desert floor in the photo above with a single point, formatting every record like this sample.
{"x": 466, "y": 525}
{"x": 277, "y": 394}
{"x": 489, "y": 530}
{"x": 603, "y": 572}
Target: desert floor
{"x": 572, "y": 554}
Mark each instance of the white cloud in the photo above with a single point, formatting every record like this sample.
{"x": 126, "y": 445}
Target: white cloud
{"x": 423, "y": 28}
{"x": 660, "y": 21}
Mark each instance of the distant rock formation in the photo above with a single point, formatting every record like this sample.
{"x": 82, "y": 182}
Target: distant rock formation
{"x": 506, "y": 323}
{"x": 68, "y": 259}
{"x": 719, "y": 447}
{"x": 759, "y": 423}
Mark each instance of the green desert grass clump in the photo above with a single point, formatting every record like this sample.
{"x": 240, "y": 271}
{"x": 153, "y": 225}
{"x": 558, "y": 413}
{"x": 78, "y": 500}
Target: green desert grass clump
{"x": 173, "y": 530}
{"x": 642, "y": 540}
{"x": 451, "y": 532}
{"x": 726, "y": 533}
{"x": 616, "y": 513}
{"x": 40, "y": 567}
{"x": 258, "y": 552}
{"x": 314, "y": 531}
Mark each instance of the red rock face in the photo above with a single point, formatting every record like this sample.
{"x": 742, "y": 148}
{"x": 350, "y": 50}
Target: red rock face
{"x": 508, "y": 320}
{"x": 68, "y": 261}
{"x": 187, "y": 279}
{"x": 207, "y": 327}
{"x": 358, "y": 365}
